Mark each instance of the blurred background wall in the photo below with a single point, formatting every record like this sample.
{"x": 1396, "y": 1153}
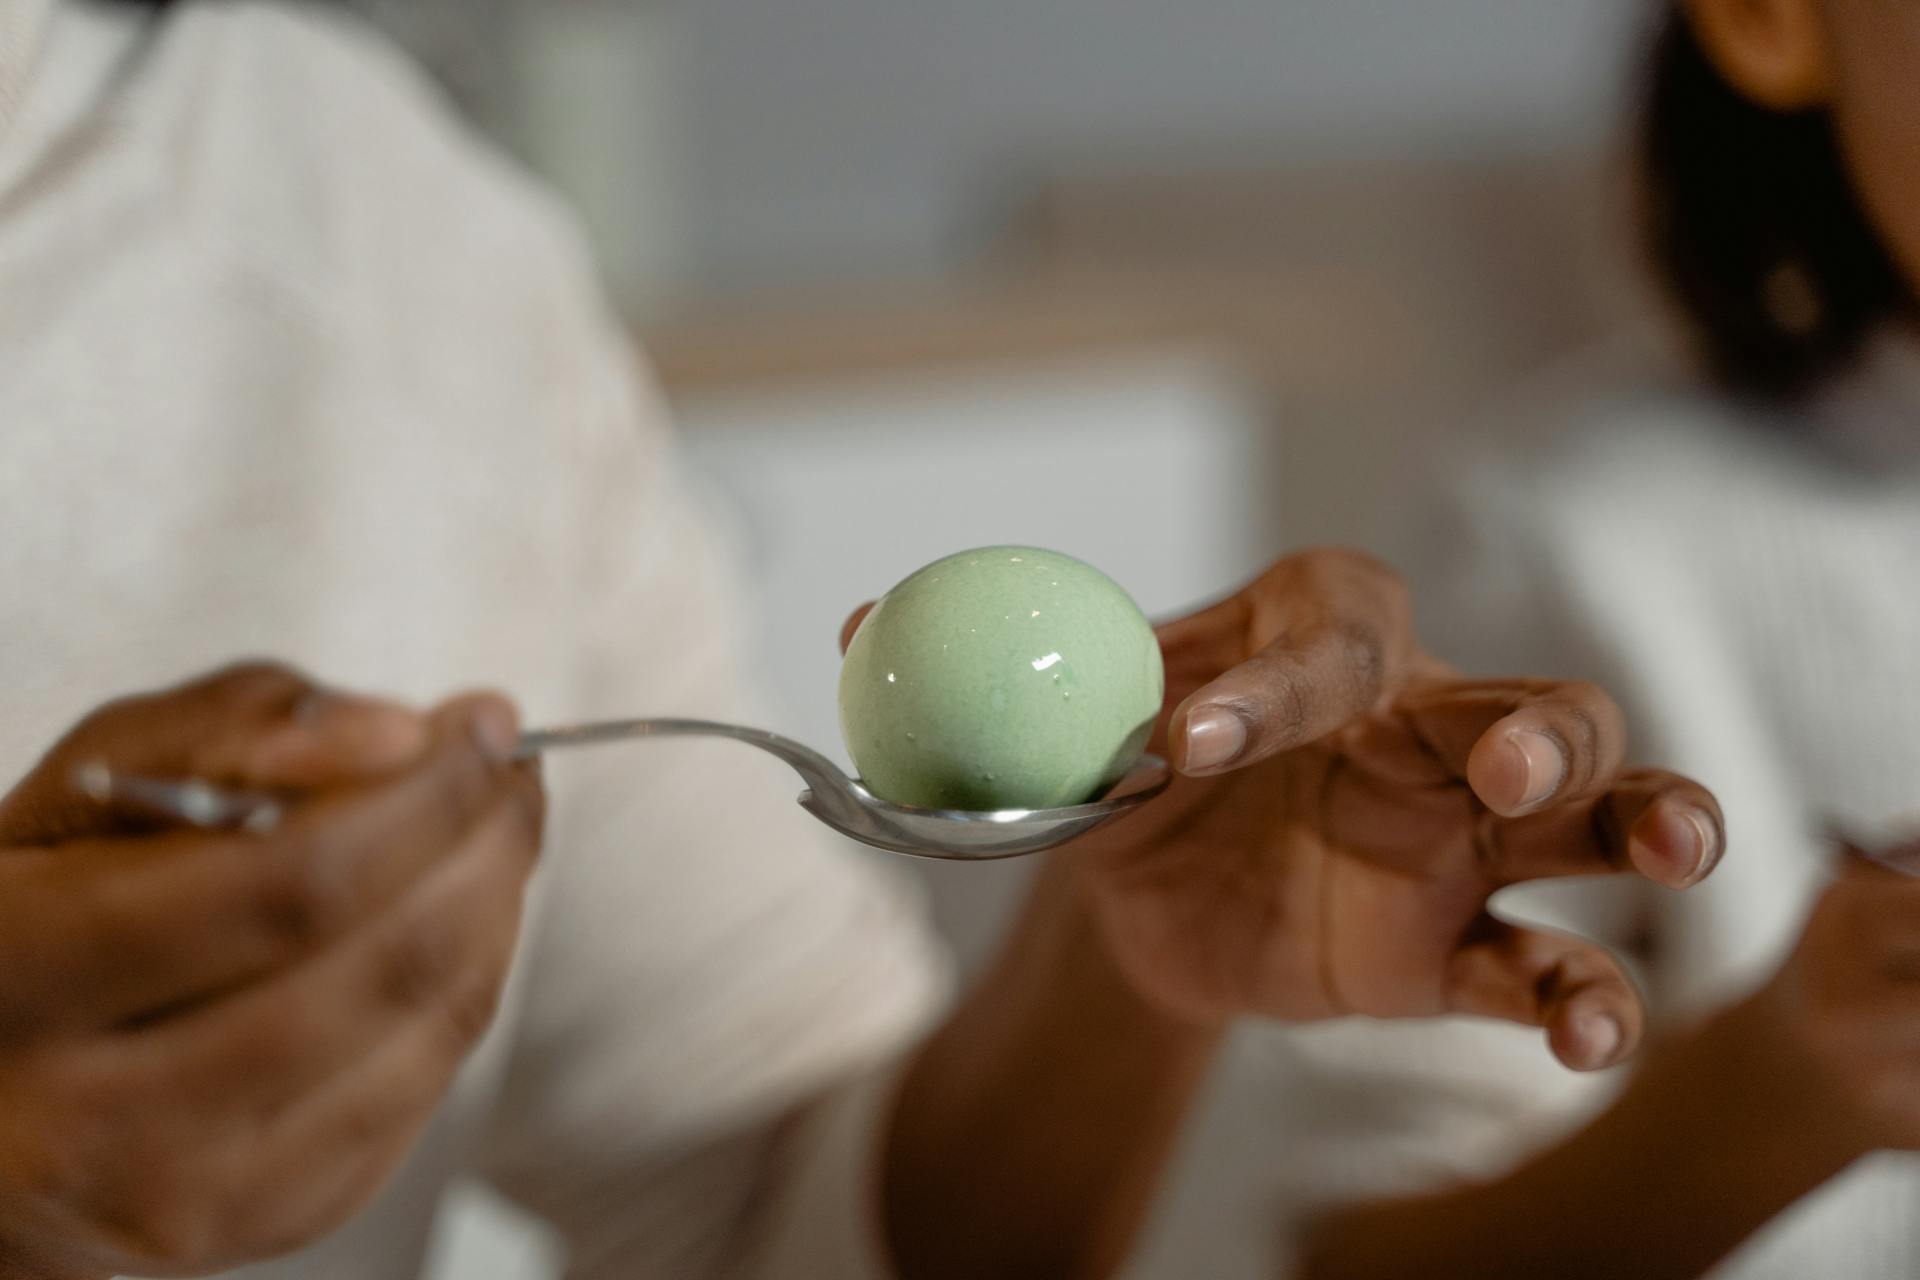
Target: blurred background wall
{"x": 864, "y": 136}
{"x": 1384, "y": 212}
{"x": 813, "y": 141}
{"x": 1169, "y": 284}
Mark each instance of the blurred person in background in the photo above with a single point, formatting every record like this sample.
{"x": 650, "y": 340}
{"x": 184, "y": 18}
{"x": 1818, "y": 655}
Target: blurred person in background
{"x": 290, "y": 365}
{"x": 1735, "y": 552}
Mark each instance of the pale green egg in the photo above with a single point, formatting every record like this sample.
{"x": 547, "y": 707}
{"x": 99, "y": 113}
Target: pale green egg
{"x": 1003, "y": 678}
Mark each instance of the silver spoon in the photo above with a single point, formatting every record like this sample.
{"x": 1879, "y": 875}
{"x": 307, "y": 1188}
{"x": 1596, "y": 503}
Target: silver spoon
{"x": 831, "y": 796}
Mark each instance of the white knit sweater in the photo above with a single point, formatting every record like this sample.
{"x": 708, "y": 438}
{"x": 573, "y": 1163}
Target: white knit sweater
{"x": 290, "y": 366}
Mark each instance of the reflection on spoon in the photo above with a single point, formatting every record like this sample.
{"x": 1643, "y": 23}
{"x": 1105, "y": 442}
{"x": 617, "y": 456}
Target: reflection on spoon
{"x": 831, "y": 796}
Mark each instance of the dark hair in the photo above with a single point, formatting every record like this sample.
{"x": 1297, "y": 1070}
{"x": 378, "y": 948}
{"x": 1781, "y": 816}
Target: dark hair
{"x": 1754, "y": 228}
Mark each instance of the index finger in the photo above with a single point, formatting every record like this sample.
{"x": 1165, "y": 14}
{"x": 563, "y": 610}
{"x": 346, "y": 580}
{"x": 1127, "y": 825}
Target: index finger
{"x": 1314, "y": 643}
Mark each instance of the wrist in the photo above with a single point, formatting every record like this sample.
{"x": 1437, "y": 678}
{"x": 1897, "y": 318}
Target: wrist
{"x": 1062, "y": 930}
{"x": 1029, "y": 1130}
{"x": 1766, "y": 1120}
{"x": 1055, "y": 999}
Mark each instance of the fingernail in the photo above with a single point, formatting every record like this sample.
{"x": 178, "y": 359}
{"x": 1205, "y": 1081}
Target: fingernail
{"x": 1688, "y": 838}
{"x": 497, "y": 729}
{"x": 1215, "y": 739}
{"x": 1601, "y": 1036}
{"x": 1540, "y": 762}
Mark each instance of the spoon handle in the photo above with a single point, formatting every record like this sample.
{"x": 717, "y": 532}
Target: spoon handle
{"x": 818, "y": 772}
{"x": 202, "y": 804}
{"x": 534, "y": 742}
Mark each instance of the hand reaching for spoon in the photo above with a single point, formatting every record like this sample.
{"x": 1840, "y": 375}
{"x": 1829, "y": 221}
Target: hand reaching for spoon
{"x": 1347, "y": 806}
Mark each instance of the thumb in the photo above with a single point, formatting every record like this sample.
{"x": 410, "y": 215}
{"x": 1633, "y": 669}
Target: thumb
{"x": 852, "y": 624}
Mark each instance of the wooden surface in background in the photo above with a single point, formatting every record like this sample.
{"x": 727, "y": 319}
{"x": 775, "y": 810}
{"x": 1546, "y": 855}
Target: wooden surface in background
{"x": 1002, "y": 319}
{"x": 1331, "y": 282}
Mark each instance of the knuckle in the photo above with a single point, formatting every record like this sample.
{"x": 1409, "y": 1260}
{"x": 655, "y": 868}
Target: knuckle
{"x": 471, "y": 1009}
{"x": 167, "y": 1224}
{"x": 132, "y": 1173}
{"x": 1598, "y": 726}
{"x": 306, "y": 898}
{"x": 1288, "y": 708}
{"x": 381, "y": 1127}
{"x": 1588, "y": 720}
{"x": 1361, "y": 652}
{"x": 258, "y": 683}
{"x": 247, "y": 700}
{"x": 1489, "y": 844}
{"x": 58, "y": 1172}
{"x": 1597, "y": 969}
{"x": 281, "y": 1040}
{"x": 1582, "y": 691}
{"x": 1561, "y": 971}
{"x": 1587, "y": 697}
{"x": 416, "y": 965}
{"x": 87, "y": 1117}
{"x": 1608, "y": 830}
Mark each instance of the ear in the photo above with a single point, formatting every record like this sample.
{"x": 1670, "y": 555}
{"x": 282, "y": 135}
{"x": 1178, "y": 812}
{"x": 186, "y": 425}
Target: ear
{"x": 1773, "y": 52}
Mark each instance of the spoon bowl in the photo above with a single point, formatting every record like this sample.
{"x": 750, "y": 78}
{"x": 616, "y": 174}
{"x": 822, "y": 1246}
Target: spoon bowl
{"x": 969, "y": 835}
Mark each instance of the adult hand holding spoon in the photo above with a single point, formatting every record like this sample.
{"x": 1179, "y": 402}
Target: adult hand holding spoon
{"x": 215, "y": 1045}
